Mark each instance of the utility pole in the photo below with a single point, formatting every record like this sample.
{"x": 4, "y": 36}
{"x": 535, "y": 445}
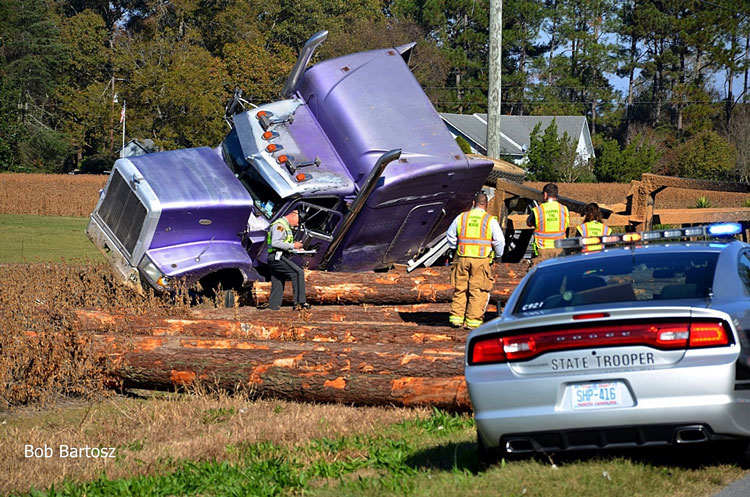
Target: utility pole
{"x": 494, "y": 91}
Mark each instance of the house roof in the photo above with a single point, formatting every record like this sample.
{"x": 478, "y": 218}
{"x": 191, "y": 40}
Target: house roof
{"x": 516, "y": 130}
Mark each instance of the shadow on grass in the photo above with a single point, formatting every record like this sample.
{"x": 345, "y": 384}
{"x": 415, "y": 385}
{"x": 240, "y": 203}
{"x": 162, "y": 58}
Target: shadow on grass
{"x": 463, "y": 457}
{"x": 451, "y": 456}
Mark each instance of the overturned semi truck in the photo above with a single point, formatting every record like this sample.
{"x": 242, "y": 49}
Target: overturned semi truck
{"x": 354, "y": 144}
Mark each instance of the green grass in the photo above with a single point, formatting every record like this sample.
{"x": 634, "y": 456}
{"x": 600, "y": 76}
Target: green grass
{"x": 28, "y": 238}
{"x": 433, "y": 456}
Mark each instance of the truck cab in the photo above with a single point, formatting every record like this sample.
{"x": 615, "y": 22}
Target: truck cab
{"x": 354, "y": 144}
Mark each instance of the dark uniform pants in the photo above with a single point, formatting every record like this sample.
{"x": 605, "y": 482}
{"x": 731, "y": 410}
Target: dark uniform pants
{"x": 283, "y": 270}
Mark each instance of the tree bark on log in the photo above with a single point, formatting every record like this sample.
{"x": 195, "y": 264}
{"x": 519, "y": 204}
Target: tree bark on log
{"x": 366, "y": 327}
{"x": 367, "y": 374}
{"x": 427, "y": 285}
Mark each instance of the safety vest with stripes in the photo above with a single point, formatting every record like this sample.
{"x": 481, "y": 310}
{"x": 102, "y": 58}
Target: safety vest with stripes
{"x": 474, "y": 234}
{"x": 551, "y": 220}
{"x": 289, "y": 235}
{"x": 593, "y": 228}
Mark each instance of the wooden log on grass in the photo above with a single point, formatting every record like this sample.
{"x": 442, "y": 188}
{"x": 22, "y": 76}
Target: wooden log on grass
{"x": 364, "y": 374}
{"x": 344, "y": 324}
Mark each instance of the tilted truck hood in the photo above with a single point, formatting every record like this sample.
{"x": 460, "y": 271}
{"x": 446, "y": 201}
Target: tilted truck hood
{"x": 198, "y": 195}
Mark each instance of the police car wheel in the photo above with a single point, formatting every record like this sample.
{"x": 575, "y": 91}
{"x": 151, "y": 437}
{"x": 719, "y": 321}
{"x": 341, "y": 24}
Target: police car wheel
{"x": 486, "y": 456}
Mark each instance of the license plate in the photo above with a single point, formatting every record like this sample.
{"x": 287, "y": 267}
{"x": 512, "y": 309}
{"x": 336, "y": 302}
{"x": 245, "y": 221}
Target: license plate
{"x": 597, "y": 395}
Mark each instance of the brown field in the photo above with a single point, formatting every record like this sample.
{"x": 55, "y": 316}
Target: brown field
{"x": 50, "y": 194}
{"x": 76, "y": 195}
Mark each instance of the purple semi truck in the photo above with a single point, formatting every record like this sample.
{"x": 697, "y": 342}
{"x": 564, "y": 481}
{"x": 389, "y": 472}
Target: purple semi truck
{"x": 354, "y": 143}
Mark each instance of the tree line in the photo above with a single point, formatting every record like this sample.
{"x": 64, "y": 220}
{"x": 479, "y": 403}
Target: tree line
{"x": 67, "y": 68}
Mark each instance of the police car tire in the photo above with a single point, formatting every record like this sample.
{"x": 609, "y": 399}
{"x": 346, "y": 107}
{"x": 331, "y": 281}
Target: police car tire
{"x": 498, "y": 173}
{"x": 744, "y": 454}
{"x": 487, "y": 456}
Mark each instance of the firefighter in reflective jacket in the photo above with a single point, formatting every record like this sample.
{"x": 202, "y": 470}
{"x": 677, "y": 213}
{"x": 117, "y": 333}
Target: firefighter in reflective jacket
{"x": 280, "y": 246}
{"x": 550, "y": 220}
{"x": 592, "y": 225}
{"x": 476, "y": 237}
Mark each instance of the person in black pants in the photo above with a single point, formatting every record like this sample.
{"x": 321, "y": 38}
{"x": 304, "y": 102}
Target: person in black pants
{"x": 280, "y": 244}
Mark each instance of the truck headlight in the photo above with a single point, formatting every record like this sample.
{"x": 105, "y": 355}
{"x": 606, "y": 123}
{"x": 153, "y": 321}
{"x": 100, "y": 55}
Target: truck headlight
{"x": 153, "y": 273}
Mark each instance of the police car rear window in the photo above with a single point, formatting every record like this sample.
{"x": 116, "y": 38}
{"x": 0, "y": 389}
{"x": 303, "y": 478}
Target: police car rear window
{"x": 619, "y": 278}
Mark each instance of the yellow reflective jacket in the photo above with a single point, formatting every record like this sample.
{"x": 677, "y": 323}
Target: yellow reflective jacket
{"x": 551, "y": 219}
{"x": 474, "y": 234}
{"x": 280, "y": 223}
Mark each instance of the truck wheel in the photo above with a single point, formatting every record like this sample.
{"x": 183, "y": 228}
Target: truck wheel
{"x": 229, "y": 299}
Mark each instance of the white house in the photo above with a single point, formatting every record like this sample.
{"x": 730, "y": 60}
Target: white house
{"x": 515, "y": 136}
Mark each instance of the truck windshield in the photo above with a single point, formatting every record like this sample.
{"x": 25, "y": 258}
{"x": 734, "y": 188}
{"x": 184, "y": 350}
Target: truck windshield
{"x": 264, "y": 197}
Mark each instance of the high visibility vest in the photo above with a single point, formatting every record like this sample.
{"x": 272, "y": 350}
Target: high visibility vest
{"x": 551, "y": 220}
{"x": 593, "y": 228}
{"x": 289, "y": 236}
{"x": 474, "y": 234}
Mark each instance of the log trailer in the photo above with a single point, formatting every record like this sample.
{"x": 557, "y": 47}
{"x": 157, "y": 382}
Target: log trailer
{"x": 354, "y": 144}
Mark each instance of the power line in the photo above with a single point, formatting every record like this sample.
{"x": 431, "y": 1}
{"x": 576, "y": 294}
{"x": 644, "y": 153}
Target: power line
{"x": 723, "y": 7}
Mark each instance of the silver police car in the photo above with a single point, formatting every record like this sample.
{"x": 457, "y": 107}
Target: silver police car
{"x": 639, "y": 345}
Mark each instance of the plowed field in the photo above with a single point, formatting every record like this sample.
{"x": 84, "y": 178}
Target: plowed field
{"x": 50, "y": 194}
{"x": 76, "y": 195}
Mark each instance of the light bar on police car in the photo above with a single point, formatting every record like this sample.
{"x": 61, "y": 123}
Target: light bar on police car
{"x": 711, "y": 230}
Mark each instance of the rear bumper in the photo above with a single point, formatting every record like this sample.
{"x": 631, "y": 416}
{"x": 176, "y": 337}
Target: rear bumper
{"x": 611, "y": 437}
{"x": 123, "y": 271}
{"x": 510, "y": 407}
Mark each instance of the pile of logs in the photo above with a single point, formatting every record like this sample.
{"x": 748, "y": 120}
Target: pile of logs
{"x": 370, "y": 339}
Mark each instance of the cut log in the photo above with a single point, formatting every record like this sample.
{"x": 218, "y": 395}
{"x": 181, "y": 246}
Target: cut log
{"x": 362, "y": 327}
{"x": 426, "y": 285}
{"x": 367, "y": 374}
{"x": 417, "y": 323}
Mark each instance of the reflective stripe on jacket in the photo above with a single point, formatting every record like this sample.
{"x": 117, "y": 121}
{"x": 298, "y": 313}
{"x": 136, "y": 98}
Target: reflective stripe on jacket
{"x": 474, "y": 234}
{"x": 288, "y": 234}
{"x": 594, "y": 228}
{"x": 551, "y": 221}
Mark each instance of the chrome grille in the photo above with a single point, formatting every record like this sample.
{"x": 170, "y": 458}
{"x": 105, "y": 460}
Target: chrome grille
{"x": 122, "y": 212}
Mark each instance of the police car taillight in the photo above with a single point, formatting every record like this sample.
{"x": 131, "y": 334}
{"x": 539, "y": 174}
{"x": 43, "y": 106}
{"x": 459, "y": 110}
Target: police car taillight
{"x": 487, "y": 350}
{"x": 708, "y": 335}
{"x": 663, "y": 336}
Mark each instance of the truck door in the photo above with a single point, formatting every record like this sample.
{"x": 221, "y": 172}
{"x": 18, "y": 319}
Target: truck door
{"x": 414, "y": 232}
{"x": 319, "y": 218}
